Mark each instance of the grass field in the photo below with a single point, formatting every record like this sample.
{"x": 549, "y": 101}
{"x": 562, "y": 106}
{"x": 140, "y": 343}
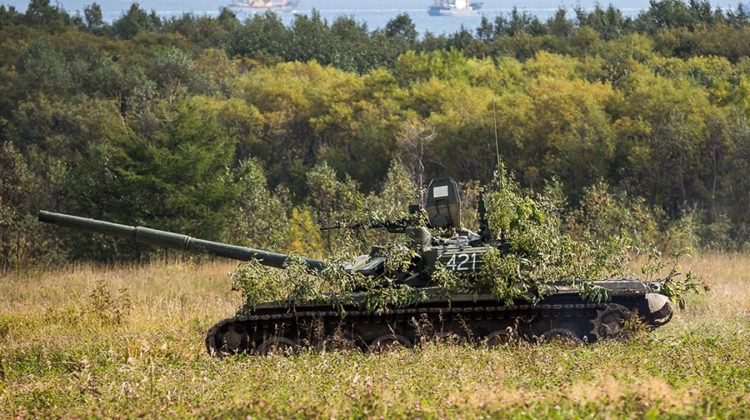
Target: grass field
{"x": 65, "y": 353}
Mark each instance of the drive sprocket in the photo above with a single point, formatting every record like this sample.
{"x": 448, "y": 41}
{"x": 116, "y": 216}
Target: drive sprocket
{"x": 609, "y": 321}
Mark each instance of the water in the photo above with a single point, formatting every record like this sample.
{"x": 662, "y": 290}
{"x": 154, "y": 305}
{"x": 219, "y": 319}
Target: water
{"x": 375, "y": 14}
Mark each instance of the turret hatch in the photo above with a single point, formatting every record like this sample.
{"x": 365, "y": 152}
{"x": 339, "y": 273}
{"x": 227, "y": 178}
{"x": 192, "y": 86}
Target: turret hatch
{"x": 443, "y": 203}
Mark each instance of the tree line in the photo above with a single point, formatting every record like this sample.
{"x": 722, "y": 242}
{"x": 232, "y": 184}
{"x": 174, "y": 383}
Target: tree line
{"x": 257, "y": 132}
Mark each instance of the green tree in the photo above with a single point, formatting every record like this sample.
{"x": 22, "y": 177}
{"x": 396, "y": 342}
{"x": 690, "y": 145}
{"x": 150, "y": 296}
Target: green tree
{"x": 337, "y": 202}
{"x": 134, "y": 21}
{"x": 352, "y": 51}
{"x": 311, "y": 39}
{"x": 609, "y": 23}
{"x": 262, "y": 37}
{"x": 45, "y": 69}
{"x": 665, "y": 124}
{"x": 259, "y": 217}
{"x": 398, "y": 192}
{"x": 559, "y": 25}
{"x": 401, "y": 34}
{"x": 179, "y": 179}
{"x": 175, "y": 73}
{"x": 518, "y": 22}
{"x": 42, "y": 13}
{"x": 93, "y": 16}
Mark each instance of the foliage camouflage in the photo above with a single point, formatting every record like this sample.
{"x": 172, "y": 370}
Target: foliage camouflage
{"x": 538, "y": 256}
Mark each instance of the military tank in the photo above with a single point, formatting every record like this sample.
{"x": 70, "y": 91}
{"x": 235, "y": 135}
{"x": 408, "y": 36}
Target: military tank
{"x": 563, "y": 314}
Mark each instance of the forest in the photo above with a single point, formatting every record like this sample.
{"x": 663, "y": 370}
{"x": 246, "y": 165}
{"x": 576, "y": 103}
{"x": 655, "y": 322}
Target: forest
{"x": 258, "y": 133}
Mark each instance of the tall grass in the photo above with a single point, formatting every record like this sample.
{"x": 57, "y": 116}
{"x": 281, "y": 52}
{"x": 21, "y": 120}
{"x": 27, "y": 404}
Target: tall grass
{"x": 66, "y": 352}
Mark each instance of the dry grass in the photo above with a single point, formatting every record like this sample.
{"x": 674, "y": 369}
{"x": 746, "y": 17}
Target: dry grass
{"x": 64, "y": 354}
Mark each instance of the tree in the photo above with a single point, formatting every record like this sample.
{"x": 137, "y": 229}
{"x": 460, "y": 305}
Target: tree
{"x": 398, "y": 191}
{"x": 415, "y": 136}
{"x": 401, "y": 27}
{"x": 179, "y": 179}
{"x": 174, "y": 72}
{"x": 337, "y": 202}
{"x": 264, "y": 37}
{"x": 486, "y": 30}
{"x": 664, "y": 123}
{"x": 663, "y": 14}
{"x": 559, "y": 25}
{"x": 134, "y": 21}
{"x": 311, "y": 39}
{"x": 609, "y": 23}
{"x": 401, "y": 34}
{"x": 519, "y": 22}
{"x": 41, "y": 13}
{"x": 352, "y": 46}
{"x": 93, "y": 15}
{"x": 259, "y": 217}
{"x": 45, "y": 69}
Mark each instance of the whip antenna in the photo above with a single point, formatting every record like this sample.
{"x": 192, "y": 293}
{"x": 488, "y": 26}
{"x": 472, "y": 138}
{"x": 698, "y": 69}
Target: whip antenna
{"x": 494, "y": 112}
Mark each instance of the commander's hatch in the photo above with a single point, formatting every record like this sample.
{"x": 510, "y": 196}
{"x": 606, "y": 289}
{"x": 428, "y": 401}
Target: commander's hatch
{"x": 443, "y": 204}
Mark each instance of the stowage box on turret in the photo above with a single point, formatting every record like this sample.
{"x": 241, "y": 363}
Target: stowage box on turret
{"x": 561, "y": 314}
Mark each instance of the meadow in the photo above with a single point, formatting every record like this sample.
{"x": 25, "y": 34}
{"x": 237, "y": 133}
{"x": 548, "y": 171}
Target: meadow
{"x": 75, "y": 343}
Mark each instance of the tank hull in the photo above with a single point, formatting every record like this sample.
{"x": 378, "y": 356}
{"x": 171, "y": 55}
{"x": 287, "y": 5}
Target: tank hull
{"x": 463, "y": 318}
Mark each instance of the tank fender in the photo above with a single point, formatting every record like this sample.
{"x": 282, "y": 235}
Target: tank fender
{"x": 659, "y": 306}
{"x": 367, "y": 265}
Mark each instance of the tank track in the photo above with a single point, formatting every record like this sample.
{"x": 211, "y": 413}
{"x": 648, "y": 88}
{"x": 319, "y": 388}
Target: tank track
{"x": 322, "y": 329}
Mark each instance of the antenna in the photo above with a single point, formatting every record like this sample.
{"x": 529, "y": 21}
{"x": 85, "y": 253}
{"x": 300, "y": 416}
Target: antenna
{"x": 494, "y": 113}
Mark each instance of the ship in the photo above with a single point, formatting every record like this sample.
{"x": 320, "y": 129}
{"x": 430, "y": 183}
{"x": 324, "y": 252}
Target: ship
{"x": 454, "y": 8}
{"x": 260, "y": 6}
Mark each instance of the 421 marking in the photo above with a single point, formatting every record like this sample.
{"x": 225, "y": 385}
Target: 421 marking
{"x": 463, "y": 262}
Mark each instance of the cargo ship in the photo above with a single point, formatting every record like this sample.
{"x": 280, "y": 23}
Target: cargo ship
{"x": 454, "y": 8}
{"x": 260, "y": 6}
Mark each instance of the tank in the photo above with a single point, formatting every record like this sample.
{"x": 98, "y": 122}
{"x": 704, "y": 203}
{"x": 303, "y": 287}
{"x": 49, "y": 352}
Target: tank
{"x": 562, "y": 314}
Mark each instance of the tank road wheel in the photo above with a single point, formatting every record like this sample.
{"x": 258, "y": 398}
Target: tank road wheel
{"x": 277, "y": 345}
{"x": 233, "y": 340}
{"x": 609, "y": 321}
{"x": 451, "y": 337}
{"x": 562, "y": 336}
{"x": 389, "y": 341}
{"x": 498, "y": 338}
{"x": 335, "y": 344}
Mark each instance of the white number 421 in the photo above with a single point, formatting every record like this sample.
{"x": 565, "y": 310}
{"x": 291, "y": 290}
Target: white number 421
{"x": 460, "y": 262}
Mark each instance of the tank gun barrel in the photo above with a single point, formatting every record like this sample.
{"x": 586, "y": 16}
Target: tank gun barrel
{"x": 172, "y": 240}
